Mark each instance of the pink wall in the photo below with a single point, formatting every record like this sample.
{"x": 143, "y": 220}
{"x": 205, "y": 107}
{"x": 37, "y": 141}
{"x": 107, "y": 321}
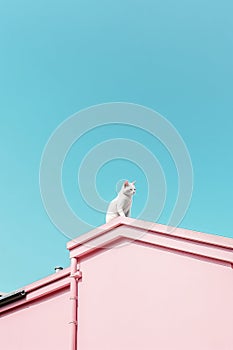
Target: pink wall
{"x": 148, "y": 296}
{"x": 142, "y": 287}
{"x": 41, "y": 321}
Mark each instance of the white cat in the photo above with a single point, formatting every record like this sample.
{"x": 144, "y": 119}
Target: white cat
{"x": 121, "y": 205}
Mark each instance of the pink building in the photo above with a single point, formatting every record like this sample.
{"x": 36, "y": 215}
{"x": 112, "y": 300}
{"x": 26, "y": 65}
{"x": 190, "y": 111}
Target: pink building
{"x": 132, "y": 285}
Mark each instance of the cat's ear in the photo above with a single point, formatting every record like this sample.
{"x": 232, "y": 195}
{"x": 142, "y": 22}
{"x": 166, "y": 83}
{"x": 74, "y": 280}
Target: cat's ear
{"x": 134, "y": 182}
{"x": 126, "y": 183}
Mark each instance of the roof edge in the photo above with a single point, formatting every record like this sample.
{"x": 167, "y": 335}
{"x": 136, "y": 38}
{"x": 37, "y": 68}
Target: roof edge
{"x": 176, "y": 232}
{"x": 39, "y": 289}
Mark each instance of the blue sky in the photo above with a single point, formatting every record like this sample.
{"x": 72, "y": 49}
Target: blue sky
{"x": 60, "y": 57}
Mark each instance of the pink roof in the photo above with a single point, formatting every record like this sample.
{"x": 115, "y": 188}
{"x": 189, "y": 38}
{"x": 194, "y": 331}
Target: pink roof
{"x": 41, "y": 288}
{"x": 179, "y": 282}
{"x": 118, "y": 231}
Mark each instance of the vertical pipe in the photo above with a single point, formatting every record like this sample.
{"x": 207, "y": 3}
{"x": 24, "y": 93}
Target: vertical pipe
{"x": 74, "y": 303}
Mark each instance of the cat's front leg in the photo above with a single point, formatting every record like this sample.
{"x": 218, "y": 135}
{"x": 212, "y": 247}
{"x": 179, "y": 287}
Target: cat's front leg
{"x": 121, "y": 206}
{"x": 120, "y": 209}
{"x": 127, "y": 213}
{"x": 121, "y": 212}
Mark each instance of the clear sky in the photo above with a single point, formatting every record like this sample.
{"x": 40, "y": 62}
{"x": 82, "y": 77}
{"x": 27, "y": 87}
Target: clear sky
{"x": 58, "y": 58}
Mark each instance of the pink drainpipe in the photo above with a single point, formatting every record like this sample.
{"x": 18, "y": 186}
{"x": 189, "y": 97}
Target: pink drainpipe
{"x": 75, "y": 275}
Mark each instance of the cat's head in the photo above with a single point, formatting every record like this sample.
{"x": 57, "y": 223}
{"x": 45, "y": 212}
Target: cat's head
{"x": 129, "y": 188}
